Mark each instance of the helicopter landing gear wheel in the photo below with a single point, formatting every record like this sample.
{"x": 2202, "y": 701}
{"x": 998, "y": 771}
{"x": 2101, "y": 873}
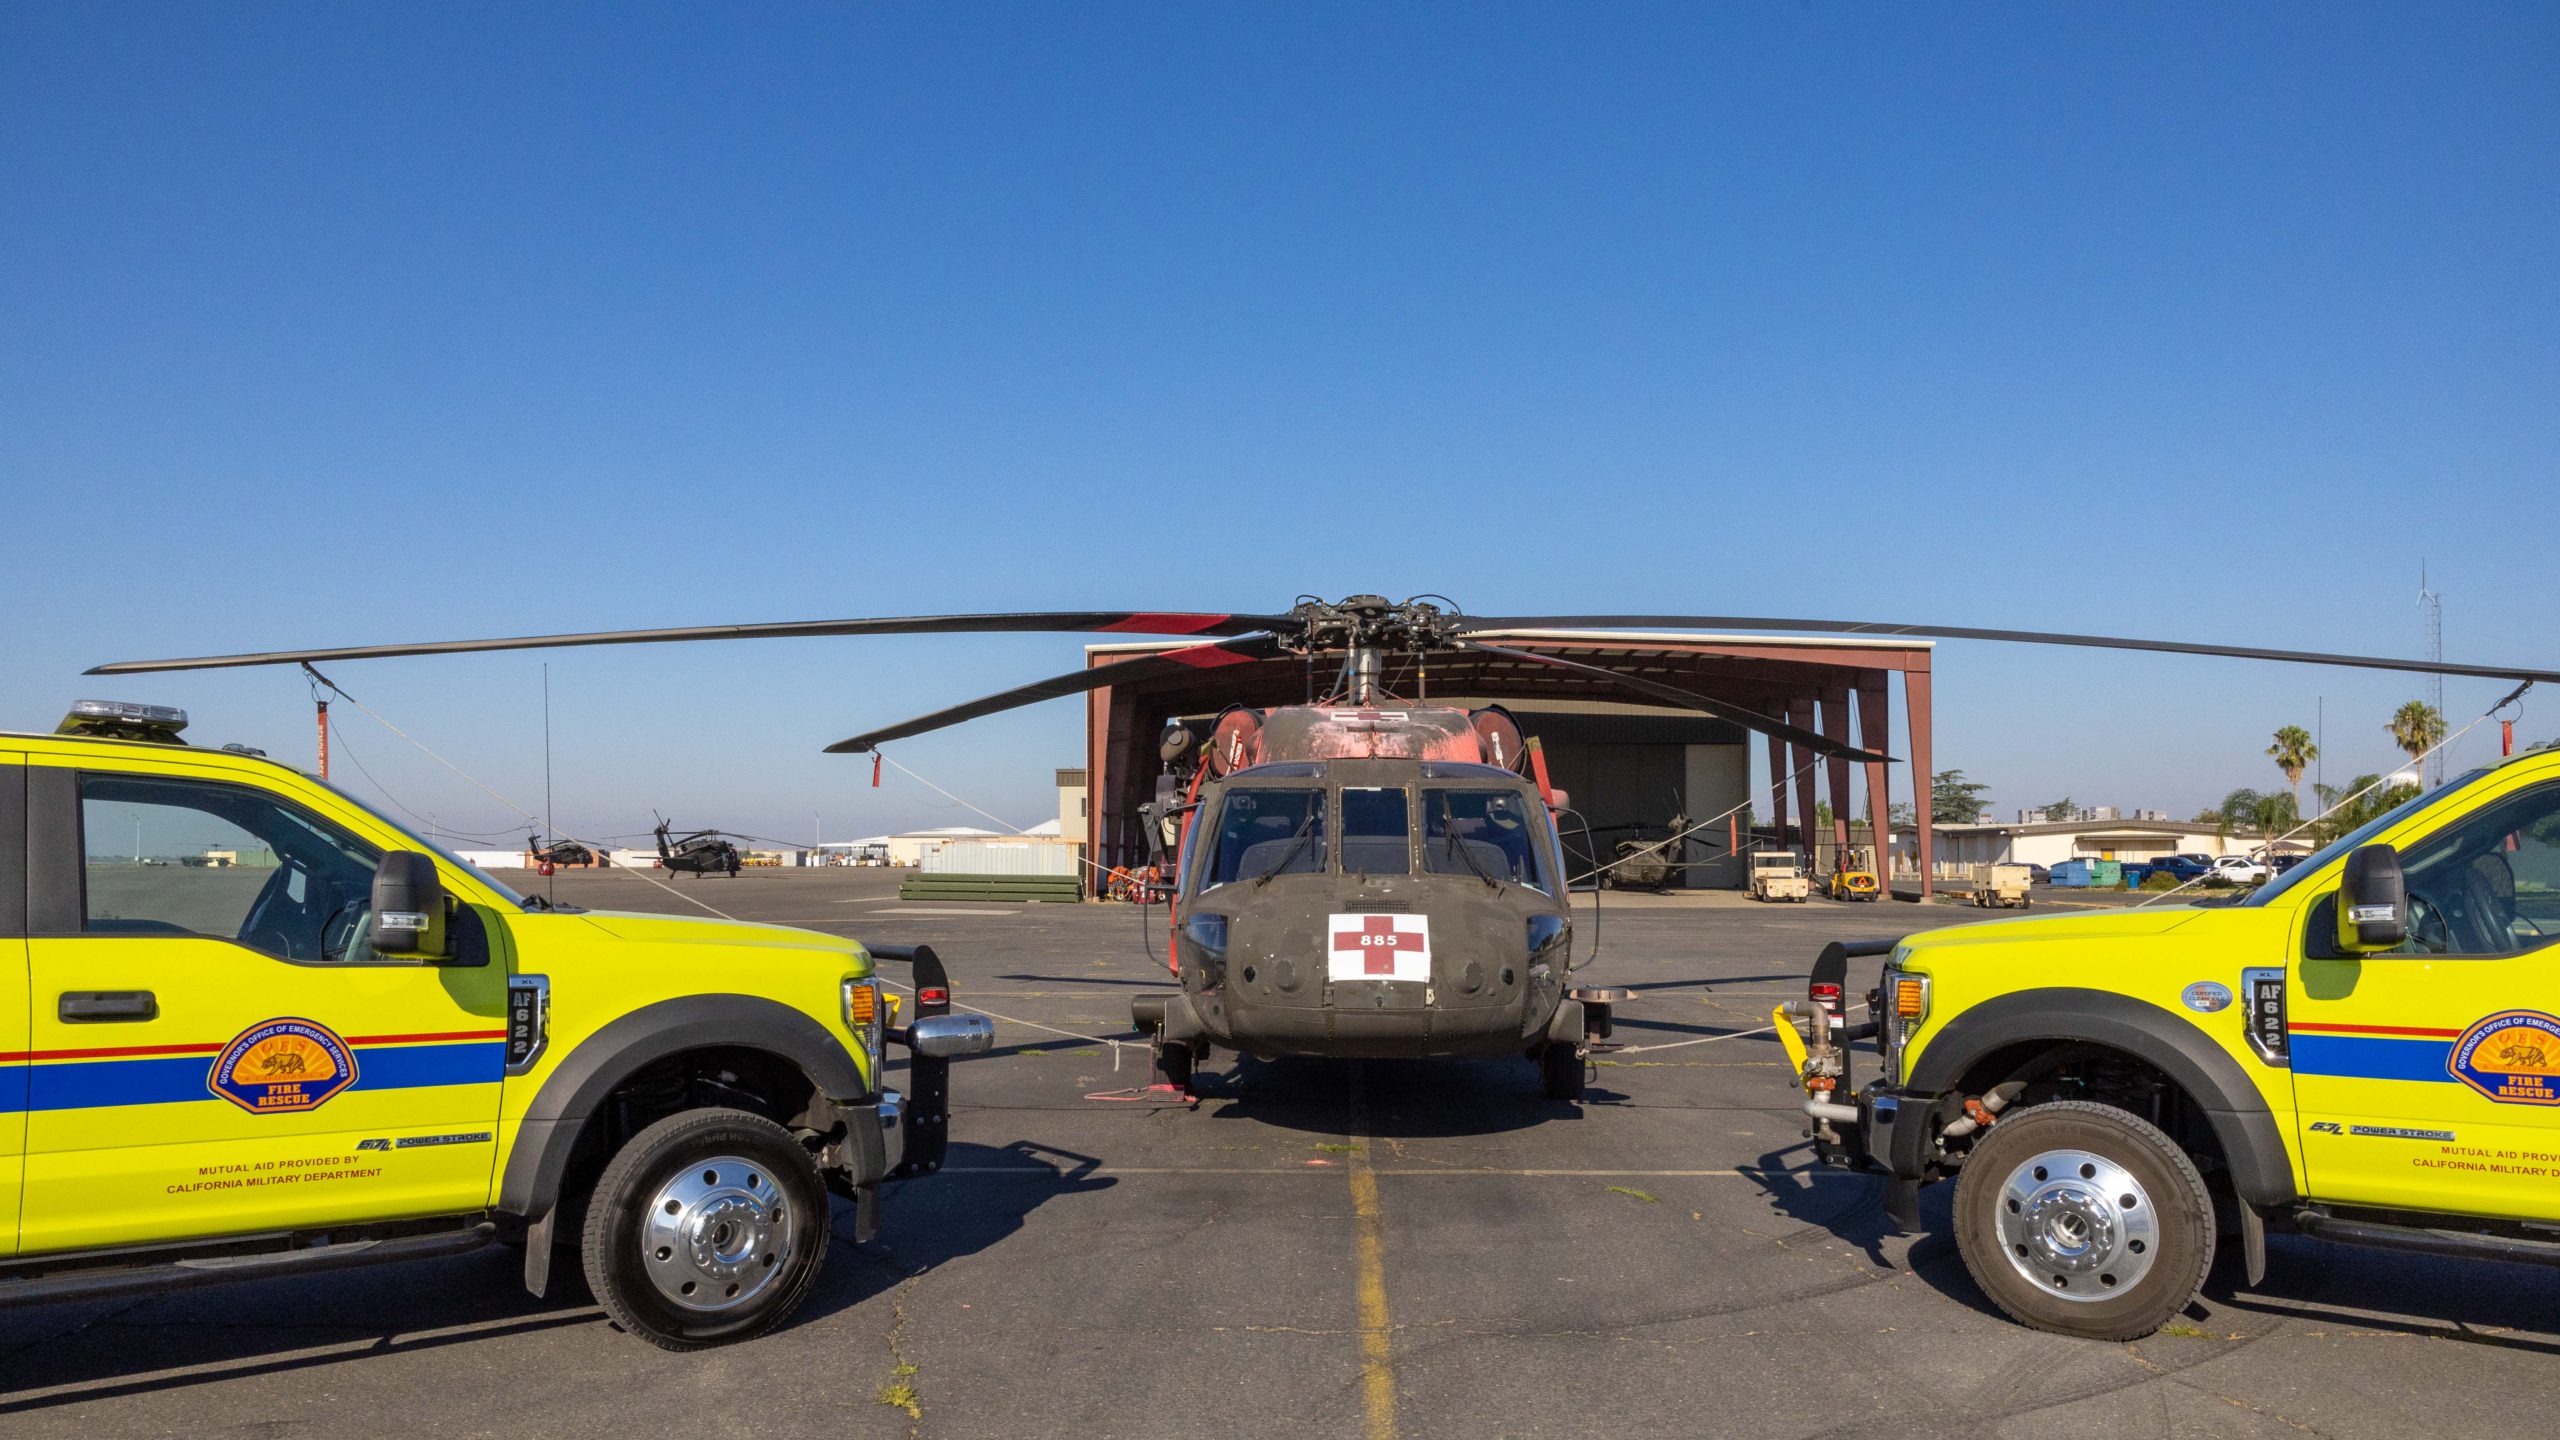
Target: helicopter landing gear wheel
{"x": 1560, "y": 1071}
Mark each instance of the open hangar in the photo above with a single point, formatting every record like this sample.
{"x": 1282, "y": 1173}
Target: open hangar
{"x": 1622, "y": 759}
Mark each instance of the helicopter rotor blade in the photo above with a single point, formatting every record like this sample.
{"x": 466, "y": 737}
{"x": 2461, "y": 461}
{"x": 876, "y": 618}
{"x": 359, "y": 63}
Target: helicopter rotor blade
{"x": 1474, "y": 623}
{"x": 1108, "y": 622}
{"x": 1744, "y": 716}
{"x": 1075, "y": 682}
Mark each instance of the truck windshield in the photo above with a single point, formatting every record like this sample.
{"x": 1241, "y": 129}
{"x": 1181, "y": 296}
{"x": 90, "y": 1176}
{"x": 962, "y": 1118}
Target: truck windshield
{"x": 2360, "y": 835}
{"x": 1265, "y": 831}
{"x": 1483, "y": 832}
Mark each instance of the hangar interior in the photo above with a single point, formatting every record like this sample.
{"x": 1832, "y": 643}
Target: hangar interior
{"x": 1626, "y": 763}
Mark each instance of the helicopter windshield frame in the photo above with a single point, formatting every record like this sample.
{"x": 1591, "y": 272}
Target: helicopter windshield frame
{"x": 1253, "y": 832}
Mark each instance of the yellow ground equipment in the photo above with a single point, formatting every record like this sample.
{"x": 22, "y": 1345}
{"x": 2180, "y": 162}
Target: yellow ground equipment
{"x": 1852, "y": 877}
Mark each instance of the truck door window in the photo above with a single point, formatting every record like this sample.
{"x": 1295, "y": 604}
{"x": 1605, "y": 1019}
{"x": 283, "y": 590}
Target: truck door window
{"x": 2489, "y": 884}
{"x": 1486, "y": 832}
{"x": 1376, "y": 838}
{"x": 187, "y": 857}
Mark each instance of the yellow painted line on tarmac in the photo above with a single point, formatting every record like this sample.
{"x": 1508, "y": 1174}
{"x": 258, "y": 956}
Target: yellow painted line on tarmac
{"x": 1377, "y": 1334}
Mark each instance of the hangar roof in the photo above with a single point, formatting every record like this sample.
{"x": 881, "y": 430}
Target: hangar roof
{"x": 1760, "y": 671}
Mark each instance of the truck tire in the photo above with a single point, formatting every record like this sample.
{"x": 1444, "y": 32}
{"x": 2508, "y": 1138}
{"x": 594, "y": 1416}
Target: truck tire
{"x": 2083, "y": 1220}
{"x": 707, "y": 1227}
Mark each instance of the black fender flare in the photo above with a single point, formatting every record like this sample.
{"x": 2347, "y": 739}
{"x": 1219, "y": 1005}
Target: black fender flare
{"x": 2252, "y": 1142}
{"x": 577, "y": 1087}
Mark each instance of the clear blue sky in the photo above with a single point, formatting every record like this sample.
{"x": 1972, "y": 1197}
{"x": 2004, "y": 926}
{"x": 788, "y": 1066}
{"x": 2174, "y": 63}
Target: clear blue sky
{"x": 344, "y": 323}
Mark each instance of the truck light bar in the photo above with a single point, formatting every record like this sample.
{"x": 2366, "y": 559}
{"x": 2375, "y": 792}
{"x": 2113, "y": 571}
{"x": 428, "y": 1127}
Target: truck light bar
{"x": 124, "y": 720}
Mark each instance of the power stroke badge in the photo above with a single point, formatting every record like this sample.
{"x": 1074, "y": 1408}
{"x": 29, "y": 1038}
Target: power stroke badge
{"x": 2513, "y": 1057}
{"x": 283, "y": 1067}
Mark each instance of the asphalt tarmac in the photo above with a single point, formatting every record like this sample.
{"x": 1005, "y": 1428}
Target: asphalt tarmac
{"x": 1326, "y": 1249}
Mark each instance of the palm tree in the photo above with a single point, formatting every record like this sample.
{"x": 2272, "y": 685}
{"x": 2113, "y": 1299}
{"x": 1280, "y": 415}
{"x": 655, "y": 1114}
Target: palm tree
{"x": 2293, "y": 753}
{"x": 2418, "y": 727}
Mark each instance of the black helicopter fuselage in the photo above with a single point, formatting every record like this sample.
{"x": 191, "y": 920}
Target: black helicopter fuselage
{"x": 1370, "y": 908}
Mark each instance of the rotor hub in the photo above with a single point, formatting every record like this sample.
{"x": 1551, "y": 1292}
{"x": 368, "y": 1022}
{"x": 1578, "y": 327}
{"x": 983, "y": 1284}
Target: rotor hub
{"x": 1368, "y": 622}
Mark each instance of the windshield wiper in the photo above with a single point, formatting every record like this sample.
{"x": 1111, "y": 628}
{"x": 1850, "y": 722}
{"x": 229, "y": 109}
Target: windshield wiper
{"x": 1306, "y": 828}
{"x": 1449, "y": 830}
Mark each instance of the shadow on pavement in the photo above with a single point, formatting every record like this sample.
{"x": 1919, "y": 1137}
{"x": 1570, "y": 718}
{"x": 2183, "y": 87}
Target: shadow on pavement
{"x": 1849, "y": 1205}
{"x": 932, "y": 1221}
{"x": 1404, "y": 1099}
{"x": 2340, "y": 1287}
{"x": 100, "y": 1350}
{"x": 2335, "y": 1287}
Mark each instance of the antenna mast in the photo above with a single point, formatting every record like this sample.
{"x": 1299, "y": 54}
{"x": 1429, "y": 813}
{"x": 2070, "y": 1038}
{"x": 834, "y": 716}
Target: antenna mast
{"x": 2433, "y": 605}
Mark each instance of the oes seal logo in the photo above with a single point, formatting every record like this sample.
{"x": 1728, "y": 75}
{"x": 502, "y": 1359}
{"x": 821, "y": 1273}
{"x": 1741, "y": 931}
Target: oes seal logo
{"x": 282, "y": 1067}
{"x": 2513, "y": 1057}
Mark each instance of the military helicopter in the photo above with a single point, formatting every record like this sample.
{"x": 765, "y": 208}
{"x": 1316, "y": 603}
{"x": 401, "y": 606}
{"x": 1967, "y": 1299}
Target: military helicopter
{"x": 1361, "y": 876}
{"x": 704, "y": 852}
{"x": 559, "y": 854}
{"x": 1645, "y": 861}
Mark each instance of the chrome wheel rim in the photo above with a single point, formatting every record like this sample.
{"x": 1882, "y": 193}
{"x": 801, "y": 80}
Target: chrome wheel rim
{"x": 2077, "y": 1225}
{"x": 716, "y": 1234}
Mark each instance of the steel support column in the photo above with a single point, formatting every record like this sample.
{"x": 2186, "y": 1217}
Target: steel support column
{"x": 1800, "y": 715}
{"x": 1835, "y": 726}
{"x": 1915, "y": 692}
{"x": 1875, "y": 732}
{"x": 1778, "y": 792}
{"x": 1097, "y": 783}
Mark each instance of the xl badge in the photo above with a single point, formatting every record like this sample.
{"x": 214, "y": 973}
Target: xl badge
{"x": 2512, "y": 1057}
{"x": 1378, "y": 947}
{"x": 282, "y": 1067}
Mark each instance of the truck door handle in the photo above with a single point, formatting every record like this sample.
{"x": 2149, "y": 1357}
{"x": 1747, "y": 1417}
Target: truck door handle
{"x": 96, "y": 1005}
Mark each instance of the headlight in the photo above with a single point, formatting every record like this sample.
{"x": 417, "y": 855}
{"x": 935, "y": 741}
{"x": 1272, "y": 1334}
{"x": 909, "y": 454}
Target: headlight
{"x": 1544, "y": 931}
{"x": 1209, "y": 932}
{"x": 866, "y": 1016}
{"x": 1902, "y": 1003}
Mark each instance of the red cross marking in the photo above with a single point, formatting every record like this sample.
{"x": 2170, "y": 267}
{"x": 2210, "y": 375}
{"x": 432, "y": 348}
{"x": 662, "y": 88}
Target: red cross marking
{"x": 1377, "y": 940}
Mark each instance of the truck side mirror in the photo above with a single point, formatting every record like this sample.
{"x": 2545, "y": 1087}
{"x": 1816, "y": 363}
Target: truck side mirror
{"x": 2373, "y": 902}
{"x": 409, "y": 905}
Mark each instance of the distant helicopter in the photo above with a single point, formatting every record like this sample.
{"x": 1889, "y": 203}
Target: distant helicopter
{"x": 559, "y": 854}
{"x": 704, "y": 852}
{"x": 1645, "y": 861}
{"x": 1361, "y": 876}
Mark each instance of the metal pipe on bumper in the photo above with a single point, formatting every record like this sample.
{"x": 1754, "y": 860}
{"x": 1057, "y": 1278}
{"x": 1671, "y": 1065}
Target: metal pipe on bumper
{"x": 943, "y": 1037}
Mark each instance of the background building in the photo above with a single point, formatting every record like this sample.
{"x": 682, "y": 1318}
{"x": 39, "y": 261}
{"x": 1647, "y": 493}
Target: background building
{"x": 1624, "y": 761}
{"x": 2050, "y": 842}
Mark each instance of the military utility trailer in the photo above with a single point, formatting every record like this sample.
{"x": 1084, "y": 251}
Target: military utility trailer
{"x": 1777, "y": 875}
{"x": 2002, "y": 887}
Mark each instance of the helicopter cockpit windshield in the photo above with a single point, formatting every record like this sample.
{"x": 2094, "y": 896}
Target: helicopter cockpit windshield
{"x": 1488, "y": 833}
{"x": 1264, "y": 831}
